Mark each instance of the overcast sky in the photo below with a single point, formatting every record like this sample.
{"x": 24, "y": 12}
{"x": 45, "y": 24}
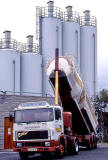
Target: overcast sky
{"x": 19, "y": 16}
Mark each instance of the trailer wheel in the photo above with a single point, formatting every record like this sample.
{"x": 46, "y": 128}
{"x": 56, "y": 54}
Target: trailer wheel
{"x": 23, "y": 155}
{"x": 76, "y": 147}
{"x": 88, "y": 146}
{"x": 95, "y": 145}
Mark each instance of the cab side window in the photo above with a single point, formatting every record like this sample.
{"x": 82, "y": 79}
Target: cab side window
{"x": 57, "y": 114}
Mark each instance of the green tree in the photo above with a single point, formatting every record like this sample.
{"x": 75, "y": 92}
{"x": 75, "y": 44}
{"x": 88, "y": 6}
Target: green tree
{"x": 101, "y": 100}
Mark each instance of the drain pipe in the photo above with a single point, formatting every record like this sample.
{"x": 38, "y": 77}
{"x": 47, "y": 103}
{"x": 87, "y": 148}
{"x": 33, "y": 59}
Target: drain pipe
{"x": 14, "y": 77}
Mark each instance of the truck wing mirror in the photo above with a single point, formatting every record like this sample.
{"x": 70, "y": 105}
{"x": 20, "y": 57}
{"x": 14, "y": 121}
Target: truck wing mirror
{"x": 57, "y": 114}
{"x": 10, "y": 117}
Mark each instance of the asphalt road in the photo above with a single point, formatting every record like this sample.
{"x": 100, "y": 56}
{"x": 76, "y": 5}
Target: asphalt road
{"x": 100, "y": 153}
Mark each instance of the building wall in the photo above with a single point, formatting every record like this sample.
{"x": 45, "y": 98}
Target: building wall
{"x": 9, "y": 102}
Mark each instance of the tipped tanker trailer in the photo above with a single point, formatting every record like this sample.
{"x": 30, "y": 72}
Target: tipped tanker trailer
{"x": 41, "y": 127}
{"x": 73, "y": 96}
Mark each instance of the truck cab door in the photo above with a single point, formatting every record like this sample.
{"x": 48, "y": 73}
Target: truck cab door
{"x": 8, "y": 133}
{"x": 59, "y": 120}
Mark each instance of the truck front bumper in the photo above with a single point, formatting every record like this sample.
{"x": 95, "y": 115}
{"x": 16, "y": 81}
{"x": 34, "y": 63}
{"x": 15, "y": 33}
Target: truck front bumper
{"x": 36, "y": 149}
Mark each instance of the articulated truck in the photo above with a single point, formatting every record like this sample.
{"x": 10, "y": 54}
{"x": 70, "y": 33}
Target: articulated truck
{"x": 41, "y": 127}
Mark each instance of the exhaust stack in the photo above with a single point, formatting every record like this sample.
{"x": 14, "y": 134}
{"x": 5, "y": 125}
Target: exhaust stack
{"x": 56, "y": 70}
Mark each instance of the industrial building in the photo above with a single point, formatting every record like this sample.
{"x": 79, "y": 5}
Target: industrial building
{"x": 23, "y": 66}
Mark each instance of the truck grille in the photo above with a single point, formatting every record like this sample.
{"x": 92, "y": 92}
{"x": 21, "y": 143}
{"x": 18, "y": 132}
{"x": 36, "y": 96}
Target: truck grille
{"x": 30, "y": 135}
{"x": 34, "y": 144}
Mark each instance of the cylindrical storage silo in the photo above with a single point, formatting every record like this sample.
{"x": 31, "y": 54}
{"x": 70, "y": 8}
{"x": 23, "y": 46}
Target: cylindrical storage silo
{"x": 71, "y": 35}
{"x": 10, "y": 71}
{"x": 49, "y": 22}
{"x": 31, "y": 74}
{"x": 89, "y": 52}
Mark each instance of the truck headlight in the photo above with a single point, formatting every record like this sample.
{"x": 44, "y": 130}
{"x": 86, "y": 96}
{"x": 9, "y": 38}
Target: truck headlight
{"x": 47, "y": 144}
{"x": 19, "y": 144}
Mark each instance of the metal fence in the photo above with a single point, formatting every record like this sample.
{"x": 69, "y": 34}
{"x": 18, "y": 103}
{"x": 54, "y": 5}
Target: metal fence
{"x": 18, "y": 46}
{"x": 91, "y": 22}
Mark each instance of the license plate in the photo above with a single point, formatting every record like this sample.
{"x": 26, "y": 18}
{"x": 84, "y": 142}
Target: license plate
{"x": 32, "y": 149}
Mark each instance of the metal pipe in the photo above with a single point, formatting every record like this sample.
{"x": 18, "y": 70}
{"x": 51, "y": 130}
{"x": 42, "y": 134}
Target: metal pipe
{"x": 69, "y": 12}
{"x": 20, "y": 74}
{"x": 77, "y": 57}
{"x": 50, "y": 8}
{"x": 57, "y": 69}
{"x": 7, "y": 37}
{"x": 87, "y": 17}
{"x": 30, "y": 43}
{"x": 56, "y": 76}
{"x": 94, "y": 65}
{"x": 14, "y": 76}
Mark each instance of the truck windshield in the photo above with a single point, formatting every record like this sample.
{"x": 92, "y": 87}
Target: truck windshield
{"x": 34, "y": 115}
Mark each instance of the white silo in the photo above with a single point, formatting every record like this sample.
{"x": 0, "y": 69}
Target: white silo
{"x": 9, "y": 65}
{"x": 50, "y": 19}
{"x": 31, "y": 71}
{"x": 71, "y": 35}
{"x": 89, "y": 52}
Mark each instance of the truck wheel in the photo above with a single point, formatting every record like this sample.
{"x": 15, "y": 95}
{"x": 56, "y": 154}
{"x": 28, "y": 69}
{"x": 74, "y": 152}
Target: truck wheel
{"x": 45, "y": 155}
{"x": 88, "y": 146}
{"x": 23, "y": 155}
{"x": 61, "y": 151}
{"x": 95, "y": 145}
{"x": 76, "y": 148}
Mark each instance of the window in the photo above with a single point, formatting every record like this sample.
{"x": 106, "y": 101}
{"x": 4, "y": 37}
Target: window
{"x": 57, "y": 114}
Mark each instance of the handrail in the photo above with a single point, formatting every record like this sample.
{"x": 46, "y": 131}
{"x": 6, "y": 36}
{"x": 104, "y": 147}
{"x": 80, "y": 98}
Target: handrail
{"x": 12, "y": 44}
{"x": 73, "y": 18}
{"x": 57, "y": 13}
{"x": 23, "y": 47}
{"x": 91, "y": 22}
{"x": 18, "y": 46}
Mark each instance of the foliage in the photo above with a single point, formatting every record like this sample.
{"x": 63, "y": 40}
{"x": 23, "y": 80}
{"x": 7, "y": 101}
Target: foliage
{"x": 101, "y": 100}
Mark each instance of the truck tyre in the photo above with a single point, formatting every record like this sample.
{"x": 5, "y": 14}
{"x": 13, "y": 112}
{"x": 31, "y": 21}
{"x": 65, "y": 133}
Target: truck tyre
{"x": 23, "y": 155}
{"x": 95, "y": 145}
{"x": 60, "y": 153}
{"x": 45, "y": 155}
{"x": 76, "y": 147}
{"x": 73, "y": 149}
{"x": 88, "y": 146}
